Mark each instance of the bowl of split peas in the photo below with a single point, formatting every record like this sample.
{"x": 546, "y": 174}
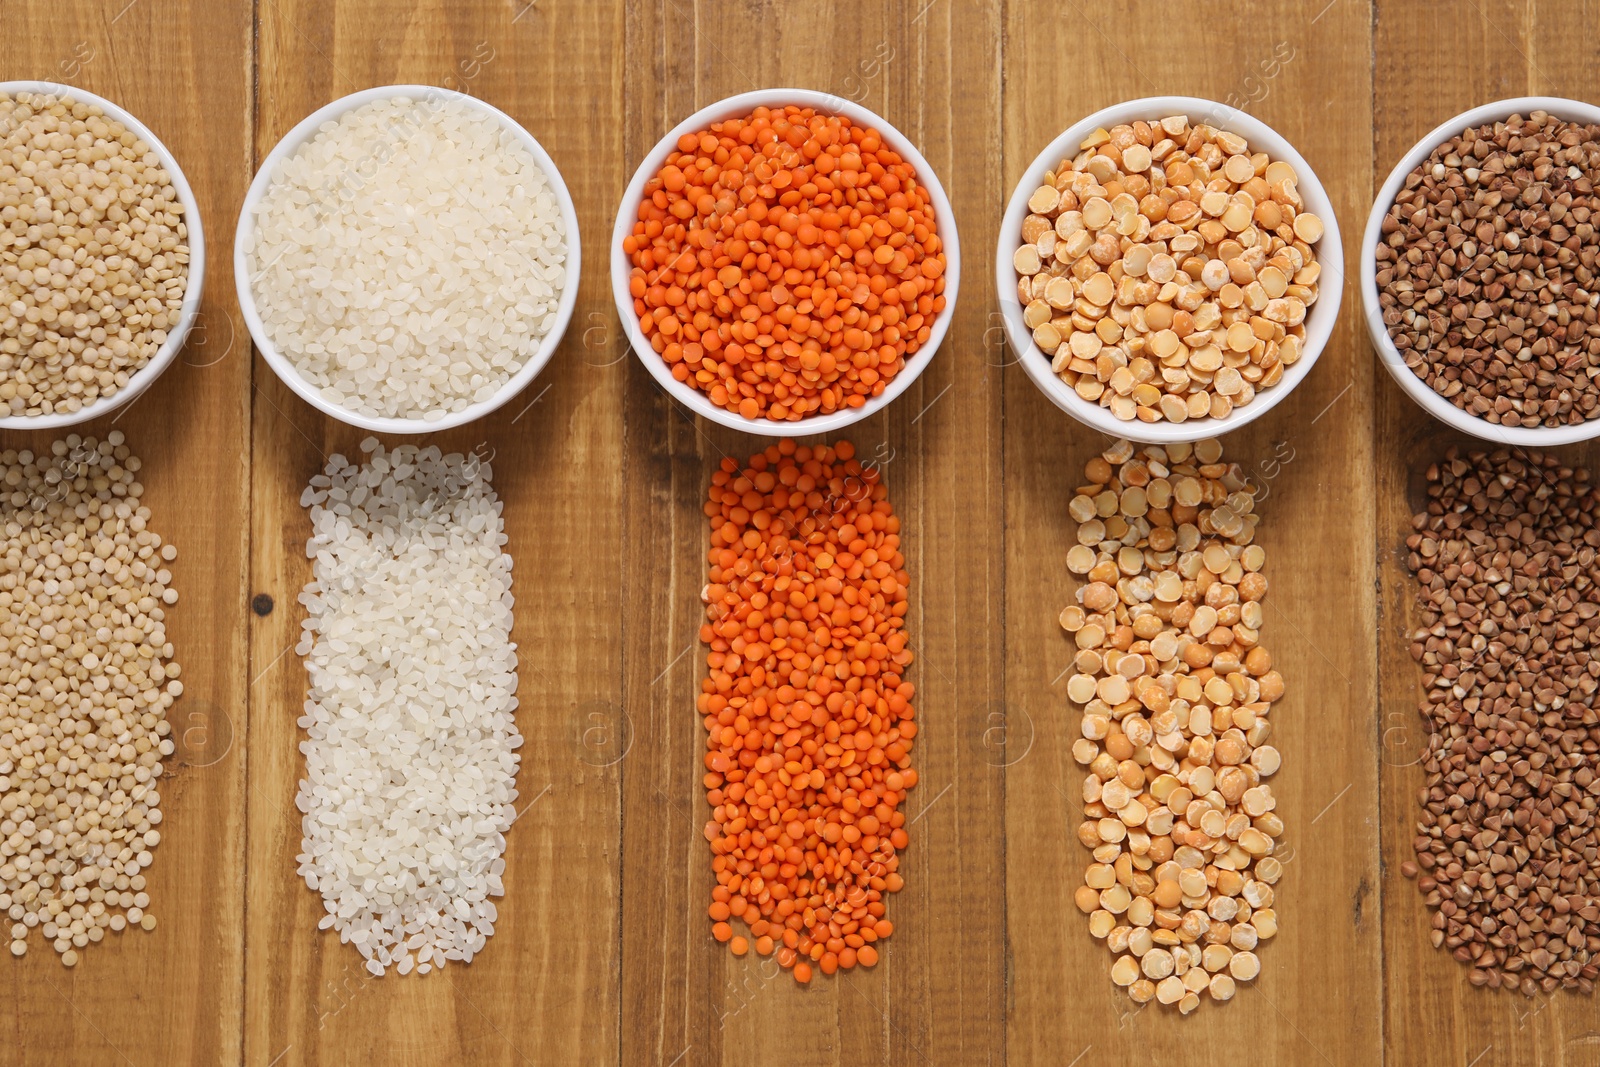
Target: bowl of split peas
{"x": 1187, "y": 295}
{"x": 785, "y": 262}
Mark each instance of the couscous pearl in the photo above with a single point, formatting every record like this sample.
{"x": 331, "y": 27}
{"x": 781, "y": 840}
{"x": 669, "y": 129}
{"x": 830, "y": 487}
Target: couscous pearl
{"x": 77, "y": 578}
{"x": 94, "y": 255}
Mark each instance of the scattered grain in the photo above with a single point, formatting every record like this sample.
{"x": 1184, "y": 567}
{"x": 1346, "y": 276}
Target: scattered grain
{"x": 411, "y": 742}
{"x": 808, "y": 716}
{"x": 1504, "y": 559}
{"x": 1176, "y": 697}
{"x": 86, "y": 679}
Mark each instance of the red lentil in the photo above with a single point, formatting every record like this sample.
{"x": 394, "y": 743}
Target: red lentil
{"x": 808, "y": 715}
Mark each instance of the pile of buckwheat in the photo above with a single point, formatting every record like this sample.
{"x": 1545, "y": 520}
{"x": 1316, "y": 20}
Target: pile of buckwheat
{"x": 86, "y": 678}
{"x": 1486, "y": 271}
{"x": 1167, "y": 269}
{"x": 94, "y": 255}
{"x": 1504, "y": 557}
{"x": 1176, "y": 692}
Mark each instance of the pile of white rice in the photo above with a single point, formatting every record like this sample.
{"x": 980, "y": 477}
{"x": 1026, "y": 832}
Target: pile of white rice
{"x": 409, "y": 258}
{"x": 411, "y": 757}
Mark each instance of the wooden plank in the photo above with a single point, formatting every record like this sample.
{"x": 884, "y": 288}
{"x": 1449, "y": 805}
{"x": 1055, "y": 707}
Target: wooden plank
{"x": 602, "y": 952}
{"x": 1434, "y": 60}
{"x": 937, "y": 995}
{"x": 1312, "y": 455}
{"x": 543, "y": 989}
{"x": 173, "y": 996}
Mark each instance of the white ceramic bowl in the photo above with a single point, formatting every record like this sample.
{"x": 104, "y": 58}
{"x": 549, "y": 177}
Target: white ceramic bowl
{"x": 1319, "y": 317}
{"x": 286, "y": 370}
{"x": 1388, "y": 355}
{"x": 146, "y": 375}
{"x": 744, "y": 104}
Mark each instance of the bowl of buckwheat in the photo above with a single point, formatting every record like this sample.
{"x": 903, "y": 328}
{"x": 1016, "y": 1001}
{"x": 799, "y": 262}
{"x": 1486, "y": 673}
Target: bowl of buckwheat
{"x": 1478, "y": 272}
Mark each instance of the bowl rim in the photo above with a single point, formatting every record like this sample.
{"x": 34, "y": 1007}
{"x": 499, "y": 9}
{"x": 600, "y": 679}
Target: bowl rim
{"x": 1388, "y": 354}
{"x": 194, "y": 286}
{"x": 742, "y": 104}
{"x": 286, "y": 371}
{"x": 1320, "y": 319}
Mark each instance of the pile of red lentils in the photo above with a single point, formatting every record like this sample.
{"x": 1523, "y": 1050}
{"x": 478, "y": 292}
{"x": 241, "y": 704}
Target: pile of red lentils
{"x": 807, "y": 711}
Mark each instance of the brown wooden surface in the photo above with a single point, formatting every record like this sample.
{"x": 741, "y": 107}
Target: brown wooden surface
{"x": 172, "y": 996}
{"x": 1317, "y": 531}
{"x": 602, "y": 953}
{"x": 1477, "y": 51}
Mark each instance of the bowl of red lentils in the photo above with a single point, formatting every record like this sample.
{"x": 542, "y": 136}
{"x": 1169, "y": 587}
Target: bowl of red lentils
{"x": 1479, "y": 272}
{"x": 1161, "y": 269}
{"x": 785, "y": 262}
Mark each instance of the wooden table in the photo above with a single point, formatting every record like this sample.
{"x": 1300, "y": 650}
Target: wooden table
{"x": 602, "y": 953}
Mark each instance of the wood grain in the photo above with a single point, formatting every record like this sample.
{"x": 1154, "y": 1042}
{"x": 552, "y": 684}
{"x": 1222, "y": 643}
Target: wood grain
{"x": 174, "y": 995}
{"x": 1432, "y": 61}
{"x": 544, "y": 989}
{"x": 602, "y": 953}
{"x": 937, "y": 995}
{"x": 1312, "y": 457}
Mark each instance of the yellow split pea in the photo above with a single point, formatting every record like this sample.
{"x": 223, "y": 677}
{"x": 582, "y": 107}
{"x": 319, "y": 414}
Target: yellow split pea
{"x": 1167, "y": 270}
{"x": 1176, "y": 692}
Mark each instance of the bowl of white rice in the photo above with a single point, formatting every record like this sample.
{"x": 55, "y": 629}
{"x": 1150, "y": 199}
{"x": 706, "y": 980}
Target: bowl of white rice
{"x": 407, "y": 259}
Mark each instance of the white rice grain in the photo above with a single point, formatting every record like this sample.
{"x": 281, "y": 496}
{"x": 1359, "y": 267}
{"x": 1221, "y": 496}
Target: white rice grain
{"x": 411, "y": 751}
